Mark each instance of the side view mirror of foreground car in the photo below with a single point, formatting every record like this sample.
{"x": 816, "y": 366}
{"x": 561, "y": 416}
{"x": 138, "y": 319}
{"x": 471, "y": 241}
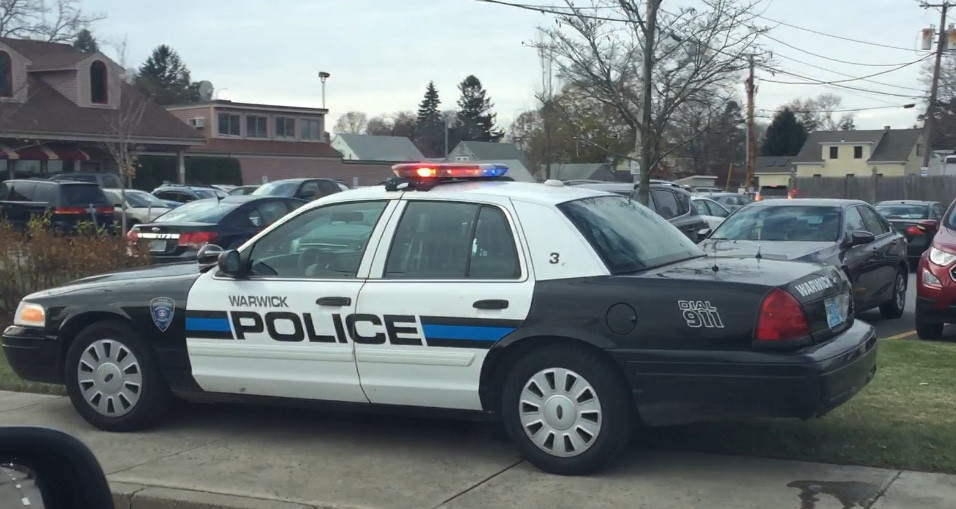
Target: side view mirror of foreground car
{"x": 51, "y": 470}
{"x": 861, "y": 237}
{"x": 209, "y": 253}
{"x": 229, "y": 262}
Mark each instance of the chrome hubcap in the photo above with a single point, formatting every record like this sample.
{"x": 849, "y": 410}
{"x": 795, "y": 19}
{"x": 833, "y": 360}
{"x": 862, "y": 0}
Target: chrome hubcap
{"x": 110, "y": 378}
{"x": 900, "y": 291}
{"x": 560, "y": 412}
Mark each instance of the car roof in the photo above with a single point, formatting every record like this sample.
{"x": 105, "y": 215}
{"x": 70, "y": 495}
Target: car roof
{"x": 906, "y": 202}
{"x": 808, "y": 202}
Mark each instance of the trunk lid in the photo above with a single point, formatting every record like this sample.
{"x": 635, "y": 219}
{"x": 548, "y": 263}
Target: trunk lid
{"x": 164, "y": 238}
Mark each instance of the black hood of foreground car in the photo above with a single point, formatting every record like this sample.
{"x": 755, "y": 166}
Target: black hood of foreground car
{"x": 189, "y": 271}
{"x": 822, "y": 252}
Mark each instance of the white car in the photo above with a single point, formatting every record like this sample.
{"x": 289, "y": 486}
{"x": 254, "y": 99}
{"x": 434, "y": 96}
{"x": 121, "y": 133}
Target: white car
{"x": 141, "y": 207}
{"x": 710, "y": 211}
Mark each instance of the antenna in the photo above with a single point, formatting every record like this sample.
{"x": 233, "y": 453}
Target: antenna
{"x": 758, "y": 255}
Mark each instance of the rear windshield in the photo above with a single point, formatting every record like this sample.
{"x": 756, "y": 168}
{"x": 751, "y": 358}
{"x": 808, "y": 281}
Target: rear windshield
{"x": 82, "y": 194}
{"x": 277, "y": 189}
{"x": 903, "y": 211}
{"x": 782, "y": 223}
{"x": 200, "y": 211}
{"x": 626, "y": 235}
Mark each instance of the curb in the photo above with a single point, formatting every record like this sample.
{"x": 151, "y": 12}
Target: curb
{"x": 138, "y": 496}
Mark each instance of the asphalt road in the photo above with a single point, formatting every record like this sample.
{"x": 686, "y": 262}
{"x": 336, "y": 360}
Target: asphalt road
{"x": 18, "y": 489}
{"x": 900, "y": 328}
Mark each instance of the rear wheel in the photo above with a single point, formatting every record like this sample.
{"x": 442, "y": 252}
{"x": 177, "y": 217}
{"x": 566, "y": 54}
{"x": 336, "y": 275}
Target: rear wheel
{"x": 893, "y": 308}
{"x": 113, "y": 378}
{"x": 566, "y": 410}
{"x": 928, "y": 330}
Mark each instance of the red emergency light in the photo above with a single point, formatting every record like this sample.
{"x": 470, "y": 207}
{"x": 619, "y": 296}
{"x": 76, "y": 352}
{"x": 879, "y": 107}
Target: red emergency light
{"x": 448, "y": 170}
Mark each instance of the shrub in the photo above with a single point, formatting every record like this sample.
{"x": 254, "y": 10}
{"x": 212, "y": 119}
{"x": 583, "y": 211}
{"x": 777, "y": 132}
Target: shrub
{"x": 36, "y": 258}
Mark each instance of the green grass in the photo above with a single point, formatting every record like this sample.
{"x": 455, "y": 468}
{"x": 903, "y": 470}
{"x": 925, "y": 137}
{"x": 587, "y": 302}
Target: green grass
{"x": 9, "y": 381}
{"x": 905, "y": 418}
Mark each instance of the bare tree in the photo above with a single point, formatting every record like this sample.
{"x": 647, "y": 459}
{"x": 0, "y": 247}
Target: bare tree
{"x": 649, "y": 63}
{"x": 124, "y": 124}
{"x": 57, "y": 21}
{"x": 819, "y": 113}
{"x": 352, "y": 122}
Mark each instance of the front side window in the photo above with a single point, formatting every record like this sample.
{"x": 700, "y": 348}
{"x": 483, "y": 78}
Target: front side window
{"x": 325, "y": 243}
{"x": 310, "y": 129}
{"x": 854, "y": 222}
{"x": 6, "y": 75}
{"x": 285, "y": 128}
{"x": 228, "y": 124}
{"x": 802, "y": 223}
{"x": 98, "y": 83}
{"x": 874, "y": 223}
{"x": 626, "y": 235}
{"x": 257, "y": 127}
{"x": 447, "y": 240}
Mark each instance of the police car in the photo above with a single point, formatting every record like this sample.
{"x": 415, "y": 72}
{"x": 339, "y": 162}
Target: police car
{"x": 571, "y": 314}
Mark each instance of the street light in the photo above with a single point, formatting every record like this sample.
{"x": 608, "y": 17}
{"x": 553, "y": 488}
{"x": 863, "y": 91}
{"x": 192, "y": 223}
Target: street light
{"x": 323, "y": 76}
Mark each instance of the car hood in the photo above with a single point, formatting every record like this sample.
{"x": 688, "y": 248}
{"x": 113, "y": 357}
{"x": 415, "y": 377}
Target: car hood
{"x": 945, "y": 239}
{"x": 99, "y": 282}
{"x": 775, "y": 250}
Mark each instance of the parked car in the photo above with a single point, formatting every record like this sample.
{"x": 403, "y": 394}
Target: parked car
{"x": 102, "y": 179}
{"x": 848, "y": 234}
{"x": 228, "y": 222}
{"x": 668, "y": 200}
{"x": 242, "y": 190}
{"x": 730, "y": 201}
{"x": 140, "y": 207}
{"x": 302, "y": 188}
{"x": 707, "y": 189}
{"x": 916, "y": 220}
{"x": 936, "y": 280}
{"x": 69, "y": 203}
{"x": 780, "y": 192}
{"x": 710, "y": 211}
{"x": 185, "y": 194}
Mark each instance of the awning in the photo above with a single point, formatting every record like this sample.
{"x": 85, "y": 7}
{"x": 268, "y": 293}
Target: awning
{"x": 35, "y": 154}
{"x": 44, "y": 153}
{"x": 67, "y": 153}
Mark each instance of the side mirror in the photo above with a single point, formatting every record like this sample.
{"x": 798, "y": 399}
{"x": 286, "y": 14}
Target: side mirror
{"x": 209, "y": 253}
{"x": 704, "y": 233}
{"x": 58, "y": 468}
{"x": 229, "y": 263}
{"x": 861, "y": 237}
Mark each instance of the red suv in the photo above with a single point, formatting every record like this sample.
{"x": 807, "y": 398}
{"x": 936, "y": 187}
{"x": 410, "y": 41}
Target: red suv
{"x": 936, "y": 280}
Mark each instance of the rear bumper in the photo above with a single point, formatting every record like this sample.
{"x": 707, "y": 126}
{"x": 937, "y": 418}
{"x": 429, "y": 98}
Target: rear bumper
{"x": 32, "y": 355}
{"x": 681, "y": 387}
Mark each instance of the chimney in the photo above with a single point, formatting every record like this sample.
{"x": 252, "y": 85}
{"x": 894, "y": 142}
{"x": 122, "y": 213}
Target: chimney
{"x": 886, "y": 128}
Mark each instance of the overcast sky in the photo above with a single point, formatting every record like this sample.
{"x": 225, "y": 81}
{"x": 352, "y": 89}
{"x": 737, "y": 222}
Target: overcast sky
{"x": 382, "y": 53}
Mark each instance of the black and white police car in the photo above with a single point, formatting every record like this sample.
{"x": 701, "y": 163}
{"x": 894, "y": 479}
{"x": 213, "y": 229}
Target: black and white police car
{"x": 571, "y": 314}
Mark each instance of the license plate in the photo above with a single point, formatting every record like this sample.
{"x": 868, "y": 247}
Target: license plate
{"x": 157, "y": 246}
{"x": 834, "y": 316}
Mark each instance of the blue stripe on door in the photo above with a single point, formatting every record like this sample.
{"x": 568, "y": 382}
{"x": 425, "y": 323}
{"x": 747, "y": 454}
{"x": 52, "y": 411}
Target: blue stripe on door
{"x": 208, "y": 324}
{"x": 465, "y": 332}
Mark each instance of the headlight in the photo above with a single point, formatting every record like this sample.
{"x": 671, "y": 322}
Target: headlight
{"x": 30, "y": 315}
{"x": 929, "y": 279}
{"x": 941, "y": 258}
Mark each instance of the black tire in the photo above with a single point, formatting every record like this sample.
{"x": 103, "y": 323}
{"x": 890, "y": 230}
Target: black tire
{"x": 928, "y": 330}
{"x": 616, "y": 411}
{"x": 894, "y": 307}
{"x": 147, "y": 409}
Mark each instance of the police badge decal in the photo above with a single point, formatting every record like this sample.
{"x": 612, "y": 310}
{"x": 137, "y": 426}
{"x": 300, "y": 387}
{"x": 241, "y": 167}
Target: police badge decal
{"x": 162, "y": 310}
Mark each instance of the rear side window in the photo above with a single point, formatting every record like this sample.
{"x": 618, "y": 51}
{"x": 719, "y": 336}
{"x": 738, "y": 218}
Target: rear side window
{"x": 45, "y": 193}
{"x": 82, "y": 194}
{"x": 21, "y": 191}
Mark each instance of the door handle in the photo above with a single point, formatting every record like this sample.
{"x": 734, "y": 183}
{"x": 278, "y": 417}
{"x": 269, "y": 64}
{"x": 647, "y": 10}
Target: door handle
{"x": 491, "y": 304}
{"x": 334, "y": 301}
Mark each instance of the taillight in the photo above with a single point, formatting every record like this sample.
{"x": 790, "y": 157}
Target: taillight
{"x": 914, "y": 230}
{"x": 781, "y": 318}
{"x": 197, "y": 239}
{"x": 105, "y": 210}
{"x": 132, "y": 235}
{"x": 929, "y": 225}
{"x": 72, "y": 211}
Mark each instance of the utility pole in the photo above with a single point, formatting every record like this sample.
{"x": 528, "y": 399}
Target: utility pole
{"x": 751, "y": 129}
{"x": 934, "y": 89}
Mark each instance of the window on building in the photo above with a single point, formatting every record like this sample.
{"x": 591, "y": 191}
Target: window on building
{"x": 98, "y": 83}
{"x": 857, "y": 152}
{"x": 257, "y": 127}
{"x": 229, "y": 124}
{"x": 6, "y": 75}
{"x": 310, "y": 129}
{"x": 285, "y": 128}
{"x": 834, "y": 152}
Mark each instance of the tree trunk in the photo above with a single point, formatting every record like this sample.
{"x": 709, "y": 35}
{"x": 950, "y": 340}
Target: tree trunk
{"x": 645, "y": 133}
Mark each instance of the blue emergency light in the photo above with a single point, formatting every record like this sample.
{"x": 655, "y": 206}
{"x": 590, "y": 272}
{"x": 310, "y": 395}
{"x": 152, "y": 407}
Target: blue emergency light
{"x": 449, "y": 170}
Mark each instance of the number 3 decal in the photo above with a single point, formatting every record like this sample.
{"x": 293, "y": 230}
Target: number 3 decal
{"x": 555, "y": 258}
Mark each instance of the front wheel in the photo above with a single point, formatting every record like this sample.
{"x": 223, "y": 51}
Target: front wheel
{"x": 113, "y": 378}
{"x": 566, "y": 410}
{"x": 893, "y": 308}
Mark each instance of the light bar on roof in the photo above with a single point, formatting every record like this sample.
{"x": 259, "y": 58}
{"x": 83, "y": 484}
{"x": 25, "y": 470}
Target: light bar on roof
{"x": 449, "y": 170}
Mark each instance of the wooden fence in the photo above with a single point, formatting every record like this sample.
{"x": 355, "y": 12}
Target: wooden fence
{"x": 876, "y": 189}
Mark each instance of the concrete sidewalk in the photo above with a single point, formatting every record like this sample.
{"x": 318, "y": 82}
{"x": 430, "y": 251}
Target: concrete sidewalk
{"x": 251, "y": 457}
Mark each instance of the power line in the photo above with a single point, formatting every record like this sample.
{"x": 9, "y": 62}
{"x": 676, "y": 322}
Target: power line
{"x": 858, "y": 41}
{"x": 843, "y": 74}
{"x": 835, "y": 82}
{"x": 826, "y": 57}
{"x": 815, "y": 81}
{"x": 853, "y": 110}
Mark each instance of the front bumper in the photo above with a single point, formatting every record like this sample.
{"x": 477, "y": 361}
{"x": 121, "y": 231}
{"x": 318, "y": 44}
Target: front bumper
{"x": 679, "y": 387}
{"x": 32, "y": 355}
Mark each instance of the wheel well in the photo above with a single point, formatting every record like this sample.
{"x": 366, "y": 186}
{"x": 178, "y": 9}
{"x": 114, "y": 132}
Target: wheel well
{"x": 73, "y": 327}
{"x": 499, "y": 362}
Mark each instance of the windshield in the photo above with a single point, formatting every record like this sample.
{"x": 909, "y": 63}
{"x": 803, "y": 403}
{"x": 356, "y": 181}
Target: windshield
{"x": 782, "y": 223}
{"x": 903, "y": 211}
{"x": 200, "y": 211}
{"x": 277, "y": 189}
{"x": 626, "y": 235}
{"x": 141, "y": 199}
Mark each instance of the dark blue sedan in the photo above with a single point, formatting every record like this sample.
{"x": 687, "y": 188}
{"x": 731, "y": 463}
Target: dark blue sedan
{"x": 177, "y": 235}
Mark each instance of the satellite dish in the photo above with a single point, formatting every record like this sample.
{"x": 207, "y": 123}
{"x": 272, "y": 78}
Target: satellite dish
{"x": 205, "y": 90}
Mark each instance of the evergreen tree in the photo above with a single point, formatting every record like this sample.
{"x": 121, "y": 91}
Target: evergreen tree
{"x": 475, "y": 119}
{"x": 166, "y": 79}
{"x": 785, "y": 136}
{"x": 85, "y": 42}
{"x": 430, "y": 127}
